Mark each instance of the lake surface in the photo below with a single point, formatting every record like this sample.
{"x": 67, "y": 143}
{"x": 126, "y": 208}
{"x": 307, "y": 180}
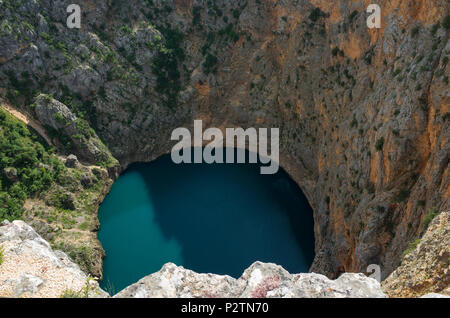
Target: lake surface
{"x": 216, "y": 218}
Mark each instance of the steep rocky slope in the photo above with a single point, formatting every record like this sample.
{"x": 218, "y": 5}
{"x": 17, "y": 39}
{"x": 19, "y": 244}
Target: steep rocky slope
{"x": 58, "y": 195}
{"x": 426, "y": 267}
{"x": 30, "y": 268}
{"x": 363, "y": 114}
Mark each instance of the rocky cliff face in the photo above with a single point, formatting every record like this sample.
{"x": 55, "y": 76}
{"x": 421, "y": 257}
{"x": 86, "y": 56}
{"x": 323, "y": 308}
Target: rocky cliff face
{"x": 363, "y": 114}
{"x": 426, "y": 266}
{"x": 84, "y": 141}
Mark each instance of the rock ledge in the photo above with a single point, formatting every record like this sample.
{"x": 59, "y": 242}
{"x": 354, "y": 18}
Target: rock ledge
{"x": 259, "y": 280}
{"x": 30, "y": 268}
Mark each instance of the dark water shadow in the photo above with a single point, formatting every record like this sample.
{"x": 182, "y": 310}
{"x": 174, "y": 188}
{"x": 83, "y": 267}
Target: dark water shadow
{"x": 226, "y": 216}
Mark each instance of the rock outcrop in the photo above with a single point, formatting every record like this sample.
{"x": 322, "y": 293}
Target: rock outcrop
{"x": 71, "y": 161}
{"x": 258, "y": 281}
{"x": 10, "y": 174}
{"x": 68, "y": 128}
{"x": 30, "y": 268}
{"x": 445, "y": 294}
{"x": 426, "y": 269}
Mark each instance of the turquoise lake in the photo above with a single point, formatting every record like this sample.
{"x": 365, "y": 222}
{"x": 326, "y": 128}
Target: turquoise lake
{"x": 210, "y": 218}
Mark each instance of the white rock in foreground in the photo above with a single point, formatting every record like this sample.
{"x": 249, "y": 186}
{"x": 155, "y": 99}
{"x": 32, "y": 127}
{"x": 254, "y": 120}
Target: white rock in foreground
{"x": 259, "y": 280}
{"x": 30, "y": 268}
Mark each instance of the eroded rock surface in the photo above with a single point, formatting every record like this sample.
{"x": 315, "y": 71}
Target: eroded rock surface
{"x": 259, "y": 280}
{"x": 426, "y": 269}
{"x": 62, "y": 122}
{"x": 30, "y": 268}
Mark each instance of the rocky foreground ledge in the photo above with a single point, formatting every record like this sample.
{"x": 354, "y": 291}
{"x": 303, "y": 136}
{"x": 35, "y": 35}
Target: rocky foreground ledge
{"x": 425, "y": 267}
{"x": 259, "y": 280}
{"x": 30, "y": 268}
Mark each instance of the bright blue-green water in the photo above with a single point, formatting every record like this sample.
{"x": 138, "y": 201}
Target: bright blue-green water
{"x": 217, "y": 218}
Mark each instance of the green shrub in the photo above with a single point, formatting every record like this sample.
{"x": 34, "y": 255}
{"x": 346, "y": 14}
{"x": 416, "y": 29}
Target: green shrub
{"x": 368, "y": 56}
{"x": 61, "y": 46}
{"x": 69, "y": 293}
{"x": 126, "y": 29}
{"x": 196, "y": 15}
{"x": 209, "y": 66}
{"x": 229, "y": 33}
{"x": 446, "y": 22}
{"x": 82, "y": 293}
{"x": 402, "y": 195}
{"x": 20, "y": 87}
{"x": 47, "y": 38}
{"x": 379, "y": 144}
{"x": 20, "y": 149}
{"x": 370, "y": 187}
{"x": 411, "y": 247}
{"x": 335, "y": 51}
{"x": 316, "y": 14}
{"x": 59, "y": 118}
{"x": 352, "y": 16}
{"x": 428, "y": 218}
{"x": 102, "y": 92}
{"x": 165, "y": 66}
{"x": 435, "y": 27}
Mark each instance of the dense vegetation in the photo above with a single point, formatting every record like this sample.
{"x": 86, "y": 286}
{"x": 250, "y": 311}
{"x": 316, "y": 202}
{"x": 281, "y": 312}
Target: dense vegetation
{"x": 33, "y": 165}
{"x": 64, "y": 200}
{"x": 165, "y": 66}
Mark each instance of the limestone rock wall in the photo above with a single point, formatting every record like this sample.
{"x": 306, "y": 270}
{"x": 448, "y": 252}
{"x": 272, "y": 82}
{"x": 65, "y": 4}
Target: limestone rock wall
{"x": 426, "y": 269}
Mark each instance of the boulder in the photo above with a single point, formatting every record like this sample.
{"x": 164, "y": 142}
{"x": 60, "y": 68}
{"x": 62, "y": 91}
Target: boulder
{"x": 87, "y": 180}
{"x": 71, "y": 161}
{"x": 31, "y": 268}
{"x": 84, "y": 141}
{"x": 11, "y": 174}
{"x": 68, "y": 201}
{"x": 27, "y": 284}
{"x": 53, "y": 113}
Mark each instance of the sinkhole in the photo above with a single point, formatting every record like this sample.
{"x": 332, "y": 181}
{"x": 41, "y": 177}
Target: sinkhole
{"x": 209, "y": 218}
